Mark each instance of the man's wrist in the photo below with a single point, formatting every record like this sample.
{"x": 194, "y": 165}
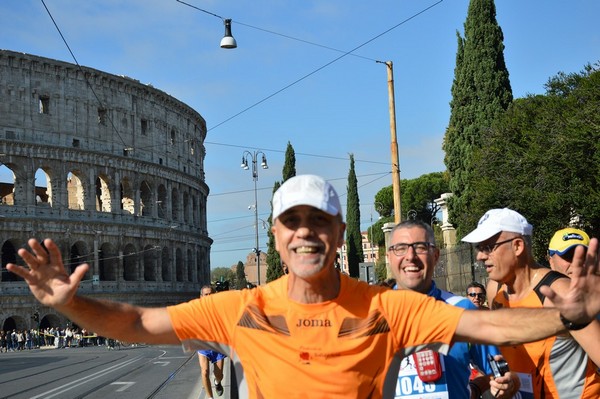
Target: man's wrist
{"x": 569, "y": 325}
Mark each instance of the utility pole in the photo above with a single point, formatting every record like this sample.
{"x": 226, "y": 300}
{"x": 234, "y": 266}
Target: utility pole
{"x": 393, "y": 142}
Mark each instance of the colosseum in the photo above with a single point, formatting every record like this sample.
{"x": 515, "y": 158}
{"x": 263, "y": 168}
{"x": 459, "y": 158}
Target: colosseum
{"x": 112, "y": 171}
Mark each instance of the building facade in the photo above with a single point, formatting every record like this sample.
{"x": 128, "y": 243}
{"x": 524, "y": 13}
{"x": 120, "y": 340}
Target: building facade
{"x": 111, "y": 170}
{"x": 370, "y": 252}
{"x": 251, "y": 269}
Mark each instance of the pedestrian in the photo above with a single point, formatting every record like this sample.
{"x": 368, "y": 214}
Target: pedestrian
{"x": 20, "y": 340}
{"x": 3, "y": 344}
{"x": 12, "y": 341}
{"x": 476, "y": 294}
{"x": 413, "y": 256}
{"x": 555, "y": 367}
{"x": 314, "y": 332}
{"x": 562, "y": 247}
{"x": 28, "y": 340}
{"x": 206, "y": 357}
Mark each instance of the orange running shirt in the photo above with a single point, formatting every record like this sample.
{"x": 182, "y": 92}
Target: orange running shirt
{"x": 555, "y": 367}
{"x": 350, "y": 347}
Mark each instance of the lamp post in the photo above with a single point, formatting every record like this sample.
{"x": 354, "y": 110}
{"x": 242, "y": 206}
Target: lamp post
{"x": 263, "y": 164}
{"x": 376, "y": 206}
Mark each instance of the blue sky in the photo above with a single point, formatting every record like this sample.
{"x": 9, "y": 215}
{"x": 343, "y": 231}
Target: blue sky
{"x": 272, "y": 89}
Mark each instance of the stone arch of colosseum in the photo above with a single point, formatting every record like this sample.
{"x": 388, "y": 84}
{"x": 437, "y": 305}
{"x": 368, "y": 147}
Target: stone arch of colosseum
{"x": 119, "y": 184}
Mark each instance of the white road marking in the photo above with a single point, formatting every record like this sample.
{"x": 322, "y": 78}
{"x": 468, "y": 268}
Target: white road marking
{"x": 162, "y": 363}
{"x": 73, "y": 384}
{"x": 125, "y": 385}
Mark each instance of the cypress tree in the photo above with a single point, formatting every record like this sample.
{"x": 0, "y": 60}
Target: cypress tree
{"x": 289, "y": 166}
{"x": 274, "y": 266}
{"x": 481, "y": 93}
{"x": 354, "y": 250}
{"x": 240, "y": 276}
{"x": 274, "y": 269}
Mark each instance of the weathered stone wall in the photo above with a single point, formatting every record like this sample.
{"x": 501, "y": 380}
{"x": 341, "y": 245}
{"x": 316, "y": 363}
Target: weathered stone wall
{"x": 125, "y": 192}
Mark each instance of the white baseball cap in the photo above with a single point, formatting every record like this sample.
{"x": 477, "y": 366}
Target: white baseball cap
{"x": 496, "y": 220}
{"x": 309, "y": 190}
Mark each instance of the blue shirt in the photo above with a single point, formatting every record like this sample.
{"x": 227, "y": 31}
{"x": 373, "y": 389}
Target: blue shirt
{"x": 457, "y": 371}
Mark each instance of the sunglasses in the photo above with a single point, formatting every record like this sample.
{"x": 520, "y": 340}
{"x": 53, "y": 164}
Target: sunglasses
{"x": 478, "y": 295}
{"x": 568, "y": 256}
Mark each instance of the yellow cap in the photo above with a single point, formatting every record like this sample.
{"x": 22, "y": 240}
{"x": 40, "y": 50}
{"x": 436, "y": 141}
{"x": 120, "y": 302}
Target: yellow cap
{"x": 565, "y": 239}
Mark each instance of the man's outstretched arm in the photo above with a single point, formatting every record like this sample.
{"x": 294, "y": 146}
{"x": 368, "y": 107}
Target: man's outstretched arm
{"x": 52, "y": 286}
{"x": 579, "y": 305}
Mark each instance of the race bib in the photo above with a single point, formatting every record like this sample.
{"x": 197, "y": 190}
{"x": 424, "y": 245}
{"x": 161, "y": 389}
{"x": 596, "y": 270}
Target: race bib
{"x": 410, "y": 386}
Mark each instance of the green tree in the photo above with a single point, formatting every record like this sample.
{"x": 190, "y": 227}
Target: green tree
{"x": 418, "y": 199}
{"x": 384, "y": 201}
{"x": 274, "y": 266}
{"x": 481, "y": 93}
{"x": 542, "y": 158}
{"x": 419, "y": 195}
{"x": 384, "y": 206}
{"x": 354, "y": 250}
{"x": 240, "y": 276}
{"x": 274, "y": 269}
{"x": 289, "y": 165}
{"x": 223, "y": 274}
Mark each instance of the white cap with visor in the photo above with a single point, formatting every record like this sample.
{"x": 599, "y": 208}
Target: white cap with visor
{"x": 308, "y": 190}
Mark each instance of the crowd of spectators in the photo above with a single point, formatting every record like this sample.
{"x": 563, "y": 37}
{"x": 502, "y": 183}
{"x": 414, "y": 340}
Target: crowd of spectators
{"x": 51, "y": 337}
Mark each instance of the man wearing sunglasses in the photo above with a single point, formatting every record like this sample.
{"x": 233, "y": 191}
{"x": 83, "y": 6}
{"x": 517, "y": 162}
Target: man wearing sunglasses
{"x": 562, "y": 247}
{"x": 556, "y": 367}
{"x": 476, "y": 294}
{"x": 413, "y": 257}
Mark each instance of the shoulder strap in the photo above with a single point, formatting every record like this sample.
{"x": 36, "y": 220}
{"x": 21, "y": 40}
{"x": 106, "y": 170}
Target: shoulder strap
{"x": 548, "y": 279}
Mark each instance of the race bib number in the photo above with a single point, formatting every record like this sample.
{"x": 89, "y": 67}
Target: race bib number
{"x": 526, "y": 390}
{"x": 410, "y": 386}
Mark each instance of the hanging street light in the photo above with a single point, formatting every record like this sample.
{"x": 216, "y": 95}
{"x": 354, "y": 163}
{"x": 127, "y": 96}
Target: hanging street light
{"x": 228, "y": 41}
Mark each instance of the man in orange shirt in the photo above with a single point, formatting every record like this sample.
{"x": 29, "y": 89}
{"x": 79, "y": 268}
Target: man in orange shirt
{"x": 313, "y": 332}
{"x": 555, "y": 367}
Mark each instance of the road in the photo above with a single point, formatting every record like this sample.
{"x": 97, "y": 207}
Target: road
{"x": 97, "y": 373}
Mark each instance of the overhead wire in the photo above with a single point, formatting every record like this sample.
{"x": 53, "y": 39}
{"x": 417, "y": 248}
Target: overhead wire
{"x": 293, "y": 83}
{"x": 83, "y": 72}
{"x": 344, "y": 54}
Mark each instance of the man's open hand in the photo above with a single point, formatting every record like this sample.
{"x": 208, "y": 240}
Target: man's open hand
{"x": 46, "y": 275}
{"x": 581, "y": 304}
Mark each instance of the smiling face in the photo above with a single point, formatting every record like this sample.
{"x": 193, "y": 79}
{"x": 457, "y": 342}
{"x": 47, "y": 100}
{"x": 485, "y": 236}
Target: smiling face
{"x": 307, "y": 240}
{"x": 412, "y": 271}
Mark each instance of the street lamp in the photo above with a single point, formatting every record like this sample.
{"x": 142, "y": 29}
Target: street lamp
{"x": 263, "y": 164}
{"x": 376, "y": 206}
{"x": 228, "y": 41}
